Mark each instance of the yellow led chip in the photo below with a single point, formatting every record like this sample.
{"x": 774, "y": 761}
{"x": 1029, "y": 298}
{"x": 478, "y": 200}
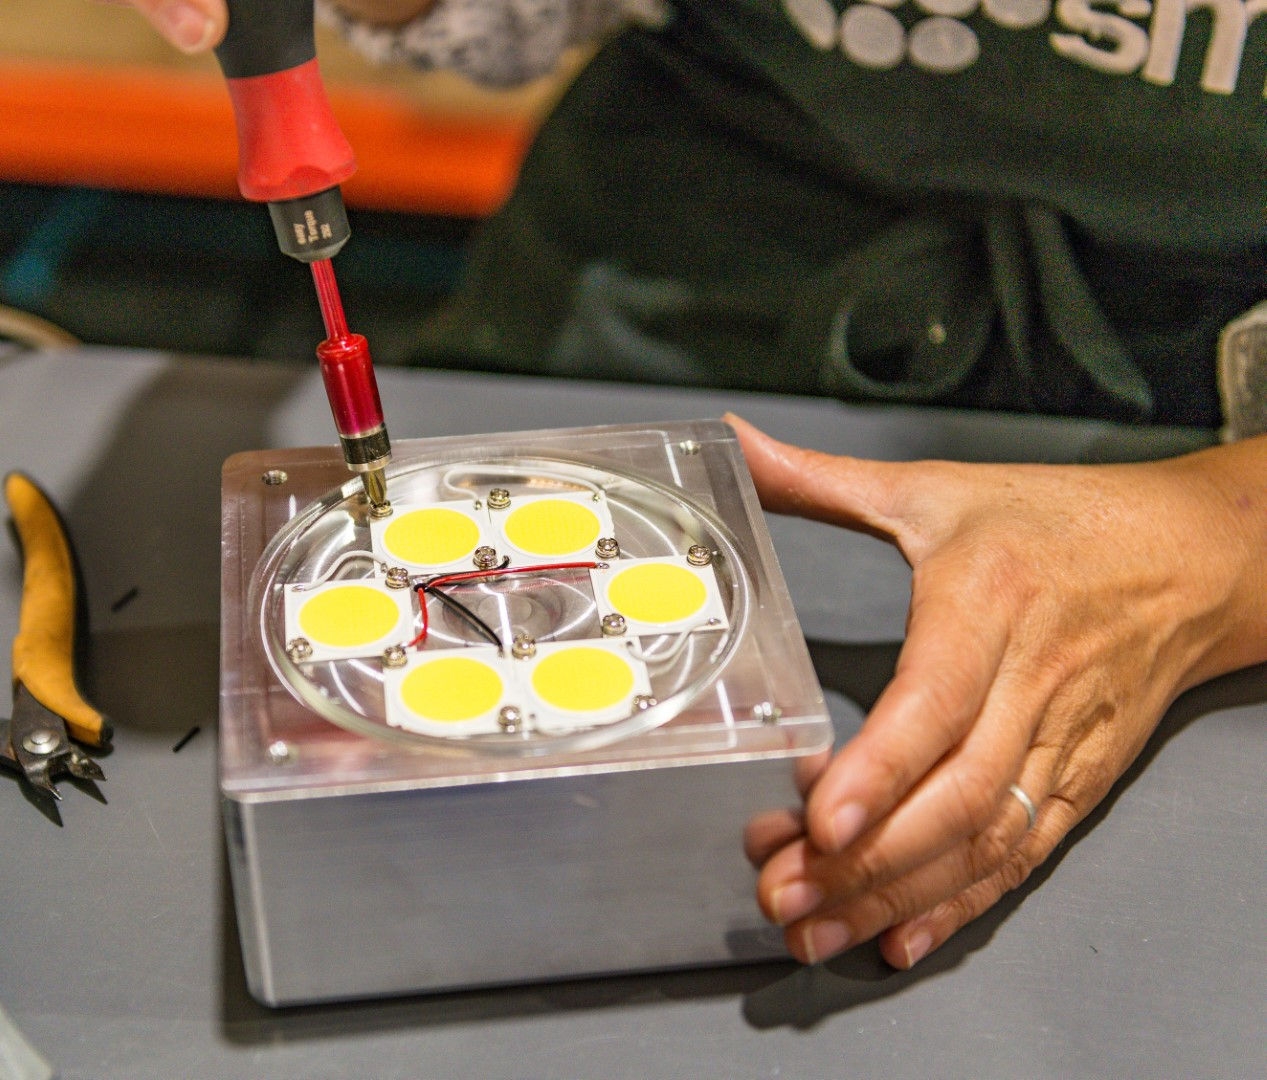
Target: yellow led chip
{"x": 451, "y": 689}
{"x": 451, "y": 693}
{"x": 554, "y": 526}
{"x": 660, "y": 595}
{"x": 656, "y": 592}
{"x": 345, "y": 619}
{"x": 583, "y": 679}
{"x": 584, "y": 683}
{"x": 436, "y": 536}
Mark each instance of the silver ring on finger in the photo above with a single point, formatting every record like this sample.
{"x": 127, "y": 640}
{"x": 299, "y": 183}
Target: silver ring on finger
{"x": 1031, "y": 811}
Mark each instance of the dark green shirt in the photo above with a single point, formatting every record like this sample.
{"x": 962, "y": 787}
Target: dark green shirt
{"x": 998, "y": 204}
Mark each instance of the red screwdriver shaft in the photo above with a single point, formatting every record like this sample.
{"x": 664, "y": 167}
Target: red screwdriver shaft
{"x": 348, "y": 373}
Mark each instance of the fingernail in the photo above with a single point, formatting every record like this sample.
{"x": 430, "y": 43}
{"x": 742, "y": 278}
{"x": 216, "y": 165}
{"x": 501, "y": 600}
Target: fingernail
{"x": 824, "y": 939}
{"x": 184, "y": 25}
{"x": 847, "y": 824}
{"x": 795, "y": 901}
{"x": 917, "y": 946}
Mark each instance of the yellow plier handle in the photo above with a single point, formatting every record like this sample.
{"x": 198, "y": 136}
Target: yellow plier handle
{"x": 44, "y": 649}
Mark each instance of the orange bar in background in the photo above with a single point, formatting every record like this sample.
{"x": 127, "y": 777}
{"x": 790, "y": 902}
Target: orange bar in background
{"x": 172, "y": 133}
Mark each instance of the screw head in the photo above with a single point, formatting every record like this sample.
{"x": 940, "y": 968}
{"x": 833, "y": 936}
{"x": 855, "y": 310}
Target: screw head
{"x": 510, "y": 719}
{"x": 279, "y": 752}
{"x": 608, "y": 547}
{"x": 485, "y": 557}
{"x": 299, "y": 649}
{"x": 766, "y": 712}
{"x": 524, "y": 647}
{"x": 397, "y": 577}
{"x": 40, "y": 741}
{"x": 643, "y": 702}
{"x": 394, "y": 656}
{"x": 699, "y": 555}
{"x": 273, "y": 477}
{"x": 498, "y": 499}
{"x": 613, "y": 625}
{"x": 378, "y": 511}
{"x": 688, "y": 447}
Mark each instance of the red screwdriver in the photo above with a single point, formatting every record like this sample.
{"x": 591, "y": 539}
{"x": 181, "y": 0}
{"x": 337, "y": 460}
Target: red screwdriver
{"x": 293, "y": 156}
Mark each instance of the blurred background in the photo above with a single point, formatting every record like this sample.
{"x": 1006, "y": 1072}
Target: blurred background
{"x": 120, "y": 221}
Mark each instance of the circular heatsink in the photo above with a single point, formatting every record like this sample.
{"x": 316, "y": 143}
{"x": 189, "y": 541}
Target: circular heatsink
{"x": 348, "y": 616}
{"x": 432, "y": 536}
{"x": 451, "y": 689}
{"x": 656, "y": 593}
{"x": 583, "y": 679}
{"x": 552, "y": 527}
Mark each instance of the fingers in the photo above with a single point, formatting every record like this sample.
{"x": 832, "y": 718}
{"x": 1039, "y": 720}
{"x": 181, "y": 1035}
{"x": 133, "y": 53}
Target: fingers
{"x": 838, "y": 490}
{"x": 193, "y": 26}
{"x": 948, "y": 664}
{"x": 907, "y": 943}
{"x": 771, "y": 832}
{"x": 974, "y": 873}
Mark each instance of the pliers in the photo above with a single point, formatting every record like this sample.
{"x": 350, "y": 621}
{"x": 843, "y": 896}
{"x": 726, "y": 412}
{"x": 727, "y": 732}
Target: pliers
{"x": 48, "y": 710}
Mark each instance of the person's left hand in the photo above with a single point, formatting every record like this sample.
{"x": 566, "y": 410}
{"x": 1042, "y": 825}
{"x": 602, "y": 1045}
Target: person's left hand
{"x": 1056, "y": 612}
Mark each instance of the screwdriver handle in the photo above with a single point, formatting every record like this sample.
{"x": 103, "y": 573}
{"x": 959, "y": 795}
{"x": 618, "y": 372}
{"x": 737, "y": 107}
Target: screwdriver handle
{"x": 290, "y": 145}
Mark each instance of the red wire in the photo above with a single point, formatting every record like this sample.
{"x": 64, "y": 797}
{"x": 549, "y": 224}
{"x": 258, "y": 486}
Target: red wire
{"x": 476, "y": 575}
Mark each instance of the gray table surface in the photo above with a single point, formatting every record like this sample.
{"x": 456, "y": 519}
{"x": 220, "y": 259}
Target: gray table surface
{"x": 1139, "y": 950}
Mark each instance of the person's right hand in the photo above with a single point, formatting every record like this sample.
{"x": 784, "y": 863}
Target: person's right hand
{"x": 193, "y": 26}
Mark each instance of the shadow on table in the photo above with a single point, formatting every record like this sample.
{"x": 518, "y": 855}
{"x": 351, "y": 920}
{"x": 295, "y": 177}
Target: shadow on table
{"x": 773, "y": 994}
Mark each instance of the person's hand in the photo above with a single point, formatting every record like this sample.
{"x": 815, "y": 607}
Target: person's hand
{"x": 385, "y": 12}
{"x": 193, "y": 26}
{"x": 1056, "y": 612}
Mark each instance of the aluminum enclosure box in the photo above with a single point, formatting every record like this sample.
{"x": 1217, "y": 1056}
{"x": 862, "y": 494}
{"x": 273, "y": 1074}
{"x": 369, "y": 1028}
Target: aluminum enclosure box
{"x": 371, "y": 858}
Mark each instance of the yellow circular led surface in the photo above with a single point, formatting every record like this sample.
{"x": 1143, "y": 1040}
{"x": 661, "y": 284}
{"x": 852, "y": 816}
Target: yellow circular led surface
{"x": 659, "y": 593}
{"x": 582, "y": 679}
{"x": 433, "y": 536}
{"x": 451, "y": 689}
{"x": 347, "y": 616}
{"x": 552, "y": 527}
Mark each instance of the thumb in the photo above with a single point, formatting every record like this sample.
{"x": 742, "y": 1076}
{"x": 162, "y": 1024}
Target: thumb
{"x": 859, "y": 494}
{"x": 193, "y": 26}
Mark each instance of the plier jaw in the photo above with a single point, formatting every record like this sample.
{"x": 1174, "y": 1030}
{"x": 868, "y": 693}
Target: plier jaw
{"x": 34, "y": 743}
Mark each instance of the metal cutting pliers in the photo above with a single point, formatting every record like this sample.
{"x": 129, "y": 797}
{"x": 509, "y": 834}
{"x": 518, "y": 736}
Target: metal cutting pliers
{"x": 48, "y": 710}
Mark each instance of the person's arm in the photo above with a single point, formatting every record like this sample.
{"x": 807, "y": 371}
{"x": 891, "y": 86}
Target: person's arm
{"x": 1056, "y": 612}
{"x": 495, "y": 42}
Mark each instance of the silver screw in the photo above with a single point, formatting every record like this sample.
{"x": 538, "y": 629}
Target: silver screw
{"x": 274, "y": 477}
{"x": 614, "y": 625}
{"x": 767, "y": 712}
{"x": 299, "y": 649}
{"x": 608, "y": 547}
{"x": 524, "y": 647}
{"x": 498, "y": 499}
{"x": 699, "y": 555}
{"x": 397, "y": 577}
{"x": 378, "y": 511}
{"x": 688, "y": 447}
{"x": 395, "y": 656}
{"x": 40, "y": 741}
{"x": 510, "y": 719}
{"x": 485, "y": 557}
{"x": 643, "y": 702}
{"x": 280, "y": 753}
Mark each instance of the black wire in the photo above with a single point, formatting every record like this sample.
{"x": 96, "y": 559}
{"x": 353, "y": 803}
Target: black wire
{"x": 465, "y": 612}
